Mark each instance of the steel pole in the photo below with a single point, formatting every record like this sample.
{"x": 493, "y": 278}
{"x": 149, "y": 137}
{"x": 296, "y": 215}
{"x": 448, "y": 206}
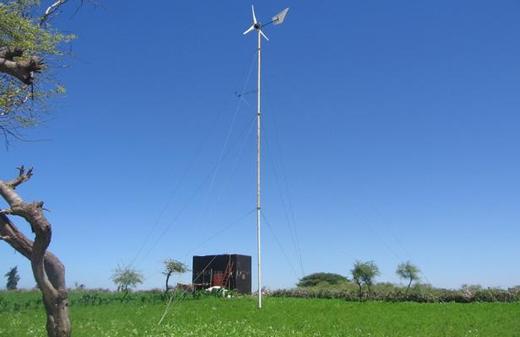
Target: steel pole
{"x": 258, "y": 205}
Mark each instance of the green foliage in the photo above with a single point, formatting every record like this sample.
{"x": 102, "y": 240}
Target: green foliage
{"x": 422, "y": 293}
{"x": 315, "y": 279}
{"x": 126, "y": 278}
{"x": 408, "y": 271}
{"x": 15, "y": 301}
{"x": 12, "y": 278}
{"x": 280, "y": 317}
{"x": 19, "y": 29}
{"x": 173, "y": 266}
{"x": 21, "y": 105}
{"x": 364, "y": 273}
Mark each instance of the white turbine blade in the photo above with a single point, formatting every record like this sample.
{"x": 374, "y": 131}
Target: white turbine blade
{"x": 249, "y": 29}
{"x": 265, "y": 37}
{"x": 278, "y": 18}
{"x": 254, "y": 16}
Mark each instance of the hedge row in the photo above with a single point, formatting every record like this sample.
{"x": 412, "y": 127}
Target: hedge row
{"x": 421, "y": 294}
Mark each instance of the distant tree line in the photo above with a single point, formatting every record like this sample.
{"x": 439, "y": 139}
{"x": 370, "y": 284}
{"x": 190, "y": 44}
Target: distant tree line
{"x": 362, "y": 286}
{"x": 363, "y": 275}
{"x": 421, "y": 293}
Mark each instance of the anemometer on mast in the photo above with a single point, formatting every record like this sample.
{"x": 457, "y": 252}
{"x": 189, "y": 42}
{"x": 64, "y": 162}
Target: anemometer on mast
{"x": 258, "y": 26}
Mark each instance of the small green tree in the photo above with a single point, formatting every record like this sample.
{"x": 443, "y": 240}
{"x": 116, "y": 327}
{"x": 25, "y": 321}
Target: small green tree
{"x": 364, "y": 273}
{"x": 315, "y": 279}
{"x": 126, "y": 278}
{"x": 408, "y": 271}
{"x": 12, "y": 278}
{"x": 172, "y": 266}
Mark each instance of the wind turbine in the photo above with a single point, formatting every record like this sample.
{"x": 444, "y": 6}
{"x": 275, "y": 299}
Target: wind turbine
{"x": 258, "y": 26}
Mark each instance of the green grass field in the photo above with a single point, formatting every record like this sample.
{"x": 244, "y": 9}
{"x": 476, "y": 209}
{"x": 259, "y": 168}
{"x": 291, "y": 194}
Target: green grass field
{"x": 280, "y": 317}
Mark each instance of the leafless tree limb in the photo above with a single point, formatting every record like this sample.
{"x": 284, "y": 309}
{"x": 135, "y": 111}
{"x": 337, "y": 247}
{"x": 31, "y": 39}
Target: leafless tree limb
{"x": 10, "y": 53}
{"x": 23, "y": 176}
{"x": 21, "y": 69}
{"x": 51, "y": 10}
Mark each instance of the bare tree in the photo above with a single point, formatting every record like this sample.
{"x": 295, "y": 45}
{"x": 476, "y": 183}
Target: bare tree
{"x": 47, "y": 269}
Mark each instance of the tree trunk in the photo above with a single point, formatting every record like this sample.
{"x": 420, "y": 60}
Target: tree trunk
{"x": 48, "y": 270}
{"x": 360, "y": 291}
{"x": 167, "y": 280}
{"x": 408, "y": 288}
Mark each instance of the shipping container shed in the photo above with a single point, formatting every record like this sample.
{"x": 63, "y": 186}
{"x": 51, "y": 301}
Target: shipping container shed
{"x": 230, "y": 271}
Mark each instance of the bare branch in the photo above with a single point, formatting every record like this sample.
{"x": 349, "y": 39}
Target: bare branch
{"x": 51, "y": 10}
{"x": 9, "y": 53}
{"x": 6, "y": 211}
{"x": 23, "y": 245}
{"x": 30, "y": 212}
{"x": 9, "y": 194}
{"x": 23, "y": 70}
{"x": 23, "y": 176}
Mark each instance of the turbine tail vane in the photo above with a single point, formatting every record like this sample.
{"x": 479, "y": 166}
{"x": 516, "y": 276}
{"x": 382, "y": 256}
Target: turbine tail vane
{"x": 280, "y": 17}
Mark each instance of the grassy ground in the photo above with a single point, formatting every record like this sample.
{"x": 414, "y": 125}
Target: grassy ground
{"x": 280, "y": 317}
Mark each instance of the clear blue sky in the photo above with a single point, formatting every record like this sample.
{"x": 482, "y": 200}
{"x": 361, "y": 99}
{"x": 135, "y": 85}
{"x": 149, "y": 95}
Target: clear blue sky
{"x": 392, "y": 134}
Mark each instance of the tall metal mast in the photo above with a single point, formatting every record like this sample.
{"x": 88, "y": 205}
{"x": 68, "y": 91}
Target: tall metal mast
{"x": 277, "y": 19}
{"x": 258, "y": 148}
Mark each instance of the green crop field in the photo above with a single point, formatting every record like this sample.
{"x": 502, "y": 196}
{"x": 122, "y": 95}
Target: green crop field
{"x": 279, "y": 317}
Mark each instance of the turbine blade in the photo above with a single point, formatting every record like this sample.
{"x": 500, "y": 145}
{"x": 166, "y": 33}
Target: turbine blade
{"x": 280, "y": 17}
{"x": 265, "y": 37}
{"x": 254, "y": 16}
{"x": 249, "y": 29}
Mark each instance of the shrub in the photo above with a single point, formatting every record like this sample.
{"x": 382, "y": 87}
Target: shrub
{"x": 322, "y": 279}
